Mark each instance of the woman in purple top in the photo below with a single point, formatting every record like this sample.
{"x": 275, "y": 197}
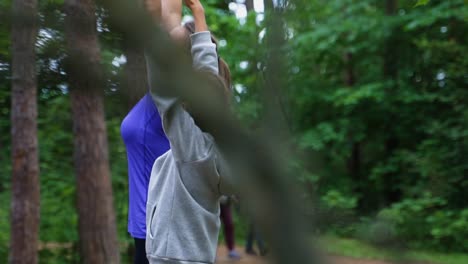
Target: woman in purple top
{"x": 145, "y": 141}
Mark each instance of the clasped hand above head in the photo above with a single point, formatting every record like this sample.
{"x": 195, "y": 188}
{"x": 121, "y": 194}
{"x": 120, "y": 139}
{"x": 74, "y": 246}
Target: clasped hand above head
{"x": 198, "y": 13}
{"x": 194, "y": 5}
{"x": 171, "y": 17}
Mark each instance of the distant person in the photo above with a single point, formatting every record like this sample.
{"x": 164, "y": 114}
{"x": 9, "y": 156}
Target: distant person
{"x": 144, "y": 141}
{"x": 228, "y": 227}
{"x": 252, "y": 237}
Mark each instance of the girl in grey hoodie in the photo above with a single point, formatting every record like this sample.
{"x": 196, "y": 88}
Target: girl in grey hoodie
{"x": 186, "y": 183}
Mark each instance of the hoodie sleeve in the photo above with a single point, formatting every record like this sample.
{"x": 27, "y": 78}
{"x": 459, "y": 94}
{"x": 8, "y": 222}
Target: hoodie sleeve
{"x": 204, "y": 54}
{"x": 188, "y": 143}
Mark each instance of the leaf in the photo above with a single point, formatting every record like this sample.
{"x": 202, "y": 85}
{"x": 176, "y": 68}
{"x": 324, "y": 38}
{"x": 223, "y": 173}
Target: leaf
{"x": 421, "y": 3}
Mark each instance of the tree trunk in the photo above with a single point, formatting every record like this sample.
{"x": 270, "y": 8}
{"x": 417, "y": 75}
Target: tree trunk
{"x": 25, "y": 162}
{"x": 390, "y": 71}
{"x": 249, "y": 5}
{"x": 354, "y": 161}
{"x": 97, "y": 227}
{"x": 135, "y": 79}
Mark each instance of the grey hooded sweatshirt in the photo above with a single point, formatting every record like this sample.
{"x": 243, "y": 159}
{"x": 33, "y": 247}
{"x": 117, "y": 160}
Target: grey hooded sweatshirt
{"x": 182, "y": 212}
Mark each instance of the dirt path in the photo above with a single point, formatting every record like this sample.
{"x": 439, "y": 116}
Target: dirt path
{"x": 247, "y": 259}
{"x": 222, "y": 257}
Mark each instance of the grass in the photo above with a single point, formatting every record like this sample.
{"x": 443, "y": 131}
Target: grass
{"x": 358, "y": 249}
{"x": 4, "y": 225}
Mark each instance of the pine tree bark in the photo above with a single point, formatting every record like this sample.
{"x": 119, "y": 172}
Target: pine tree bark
{"x": 390, "y": 71}
{"x": 354, "y": 161}
{"x": 97, "y": 227}
{"x": 25, "y": 206}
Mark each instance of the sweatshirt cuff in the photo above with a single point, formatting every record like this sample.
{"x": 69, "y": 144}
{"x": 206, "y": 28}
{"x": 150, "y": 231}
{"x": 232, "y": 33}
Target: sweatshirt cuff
{"x": 200, "y": 37}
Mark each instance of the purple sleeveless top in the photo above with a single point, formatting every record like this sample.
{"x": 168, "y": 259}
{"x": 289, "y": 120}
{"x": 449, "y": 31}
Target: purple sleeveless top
{"x": 145, "y": 141}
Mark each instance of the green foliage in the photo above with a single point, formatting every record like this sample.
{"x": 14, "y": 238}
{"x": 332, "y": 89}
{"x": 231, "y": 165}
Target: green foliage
{"x": 336, "y": 212}
{"x": 367, "y": 142}
{"x": 357, "y": 249}
{"x": 57, "y": 181}
{"x": 380, "y": 138}
{"x": 4, "y": 225}
{"x": 425, "y": 221}
{"x": 422, "y": 2}
{"x": 5, "y": 28}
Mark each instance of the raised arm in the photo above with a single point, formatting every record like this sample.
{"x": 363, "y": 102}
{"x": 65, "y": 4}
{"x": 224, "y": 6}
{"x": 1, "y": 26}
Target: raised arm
{"x": 198, "y": 13}
{"x": 154, "y": 9}
{"x": 188, "y": 142}
{"x": 204, "y": 54}
{"x": 172, "y": 17}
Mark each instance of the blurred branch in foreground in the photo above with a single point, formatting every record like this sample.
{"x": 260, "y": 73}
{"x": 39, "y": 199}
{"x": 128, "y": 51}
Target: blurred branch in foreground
{"x": 258, "y": 163}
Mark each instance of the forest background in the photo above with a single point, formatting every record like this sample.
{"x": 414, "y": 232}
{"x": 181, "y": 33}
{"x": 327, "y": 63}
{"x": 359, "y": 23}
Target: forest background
{"x": 375, "y": 101}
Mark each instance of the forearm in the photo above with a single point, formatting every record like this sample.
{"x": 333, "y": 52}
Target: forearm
{"x": 204, "y": 54}
{"x": 172, "y": 14}
{"x": 154, "y": 8}
{"x": 199, "y": 18}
